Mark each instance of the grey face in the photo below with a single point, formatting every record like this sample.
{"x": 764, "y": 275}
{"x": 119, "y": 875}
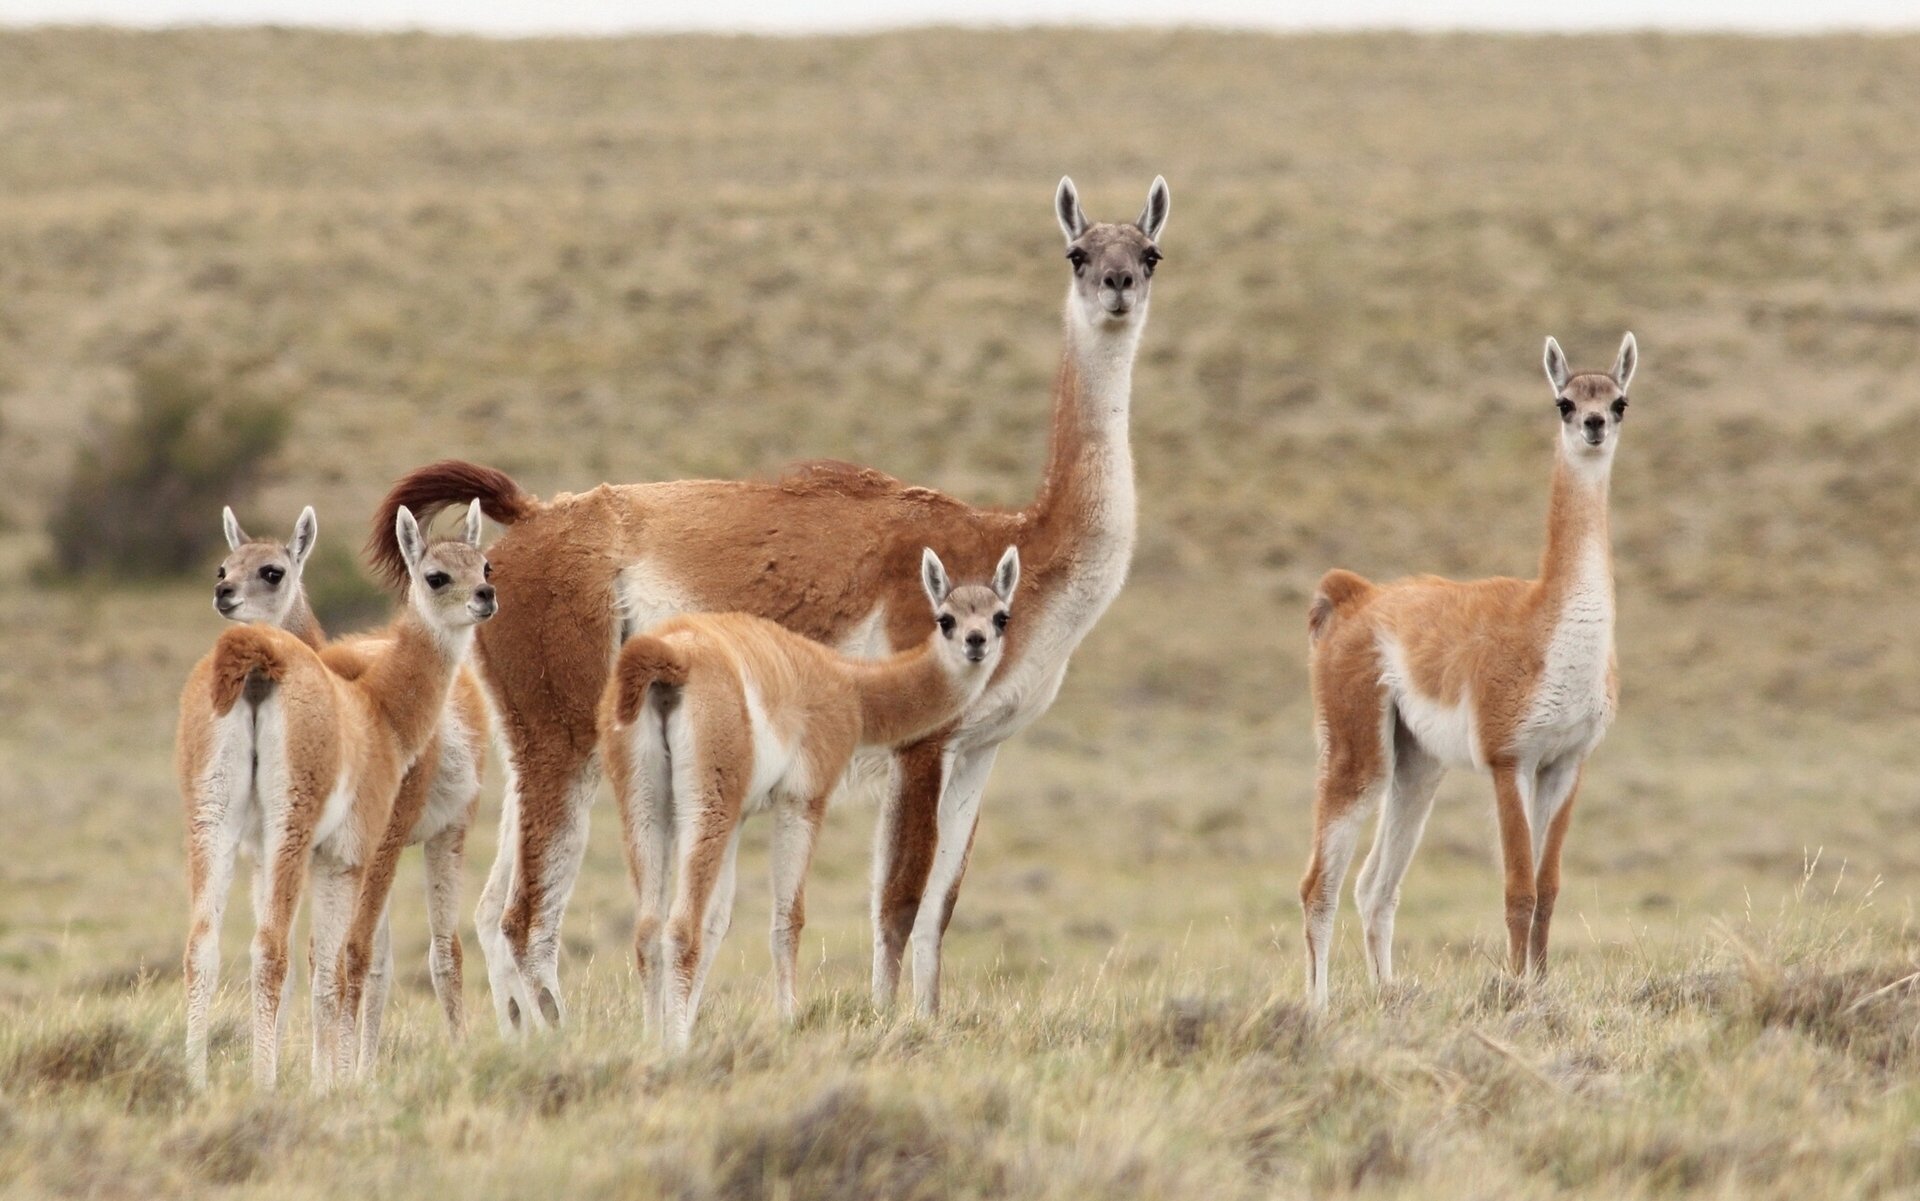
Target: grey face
{"x": 1112, "y": 265}
{"x": 259, "y": 580}
{"x": 256, "y": 582}
{"x": 972, "y": 618}
{"x": 1591, "y": 404}
{"x": 1591, "y": 408}
{"x": 450, "y": 579}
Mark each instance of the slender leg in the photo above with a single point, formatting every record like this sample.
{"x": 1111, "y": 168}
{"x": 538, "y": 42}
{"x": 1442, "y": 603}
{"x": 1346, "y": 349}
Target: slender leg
{"x": 502, "y": 976}
{"x": 958, "y": 817}
{"x": 334, "y": 887}
{"x": 902, "y": 858}
{"x": 707, "y": 804}
{"x": 444, "y": 853}
{"x": 553, "y": 800}
{"x": 1512, "y": 793}
{"x": 213, "y": 849}
{"x": 719, "y": 918}
{"x": 284, "y": 858}
{"x": 374, "y": 1007}
{"x": 796, "y": 826}
{"x": 403, "y": 804}
{"x": 1403, "y": 819}
{"x": 643, "y": 791}
{"x": 1356, "y": 763}
{"x": 1553, "y": 798}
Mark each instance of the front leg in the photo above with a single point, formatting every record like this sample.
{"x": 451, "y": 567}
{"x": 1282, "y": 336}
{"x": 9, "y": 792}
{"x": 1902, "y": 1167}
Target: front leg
{"x": 1513, "y": 798}
{"x": 958, "y": 818}
{"x": 1553, "y": 796}
{"x": 403, "y": 807}
{"x": 903, "y": 856}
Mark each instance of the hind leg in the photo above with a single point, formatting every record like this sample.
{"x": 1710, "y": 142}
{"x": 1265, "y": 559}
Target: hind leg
{"x": 284, "y": 859}
{"x": 796, "y": 827}
{"x": 1356, "y": 763}
{"x": 719, "y": 919}
{"x": 552, "y": 826}
{"x": 643, "y": 790}
{"x": 1403, "y": 819}
{"x": 213, "y": 850}
{"x": 443, "y": 854}
{"x": 502, "y": 975}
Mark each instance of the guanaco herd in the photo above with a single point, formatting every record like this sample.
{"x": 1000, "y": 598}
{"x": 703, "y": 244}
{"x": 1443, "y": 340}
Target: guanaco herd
{"x": 726, "y": 647}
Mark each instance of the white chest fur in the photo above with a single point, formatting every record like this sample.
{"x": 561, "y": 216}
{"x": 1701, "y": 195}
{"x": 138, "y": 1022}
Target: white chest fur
{"x": 1572, "y": 703}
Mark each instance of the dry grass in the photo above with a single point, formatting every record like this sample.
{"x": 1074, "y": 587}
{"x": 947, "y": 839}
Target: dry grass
{"x": 651, "y": 258}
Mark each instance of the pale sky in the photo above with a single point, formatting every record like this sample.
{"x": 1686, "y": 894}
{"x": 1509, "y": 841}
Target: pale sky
{"x": 508, "y": 17}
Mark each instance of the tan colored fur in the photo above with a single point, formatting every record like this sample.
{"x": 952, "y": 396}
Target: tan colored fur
{"x": 828, "y": 552}
{"x": 1411, "y": 677}
{"x": 270, "y": 739}
{"x": 260, "y": 580}
{"x": 710, "y": 716}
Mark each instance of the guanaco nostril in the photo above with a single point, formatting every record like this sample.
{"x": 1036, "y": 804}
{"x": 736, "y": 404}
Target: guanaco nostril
{"x": 484, "y": 592}
{"x": 223, "y": 592}
{"x": 1595, "y": 421}
{"x": 976, "y": 639}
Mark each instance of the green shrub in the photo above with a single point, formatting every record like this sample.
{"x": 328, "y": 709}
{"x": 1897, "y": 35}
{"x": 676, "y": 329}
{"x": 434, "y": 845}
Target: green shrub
{"x": 145, "y": 495}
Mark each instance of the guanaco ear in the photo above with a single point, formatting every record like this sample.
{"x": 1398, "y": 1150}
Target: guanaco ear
{"x": 933, "y": 577}
{"x": 231, "y": 526}
{"x": 1556, "y": 361}
{"x": 1153, "y": 218}
{"x": 406, "y": 532}
{"x": 472, "y": 532}
{"x": 1006, "y": 577}
{"x": 306, "y": 531}
{"x": 1066, "y": 206}
{"x": 1628, "y": 359}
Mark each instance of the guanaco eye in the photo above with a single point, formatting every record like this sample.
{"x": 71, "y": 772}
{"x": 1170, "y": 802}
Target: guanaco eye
{"x": 221, "y": 574}
{"x": 437, "y": 580}
{"x": 486, "y": 571}
{"x": 1078, "y": 258}
{"x": 272, "y": 575}
{"x": 1566, "y": 408}
{"x": 1000, "y": 621}
{"x": 946, "y": 624}
{"x": 1620, "y": 409}
{"x": 1150, "y": 259}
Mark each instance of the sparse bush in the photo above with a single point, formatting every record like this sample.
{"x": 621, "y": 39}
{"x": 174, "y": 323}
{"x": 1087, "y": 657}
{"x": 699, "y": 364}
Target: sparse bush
{"x": 846, "y": 1145}
{"x": 145, "y": 495}
{"x": 108, "y": 1056}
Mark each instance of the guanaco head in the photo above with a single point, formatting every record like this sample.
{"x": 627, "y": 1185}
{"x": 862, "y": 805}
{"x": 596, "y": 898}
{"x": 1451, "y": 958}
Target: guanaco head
{"x": 259, "y": 580}
{"x": 971, "y": 619}
{"x": 1592, "y": 404}
{"x": 447, "y": 580}
{"x": 1112, "y": 264}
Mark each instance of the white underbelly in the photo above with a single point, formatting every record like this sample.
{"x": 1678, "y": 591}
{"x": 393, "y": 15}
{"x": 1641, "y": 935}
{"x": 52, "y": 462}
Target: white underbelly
{"x": 1447, "y": 731}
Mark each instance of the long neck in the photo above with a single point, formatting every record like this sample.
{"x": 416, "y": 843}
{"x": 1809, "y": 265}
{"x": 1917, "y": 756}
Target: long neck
{"x": 1578, "y": 537}
{"x": 408, "y": 683}
{"x": 301, "y": 623}
{"x": 1088, "y": 486}
{"x": 907, "y": 696}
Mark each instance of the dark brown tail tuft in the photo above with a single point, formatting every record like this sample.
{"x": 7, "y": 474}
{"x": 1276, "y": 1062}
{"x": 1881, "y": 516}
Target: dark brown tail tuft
{"x": 427, "y": 490}
{"x": 644, "y": 661}
{"x": 239, "y": 654}
{"x": 1338, "y": 590}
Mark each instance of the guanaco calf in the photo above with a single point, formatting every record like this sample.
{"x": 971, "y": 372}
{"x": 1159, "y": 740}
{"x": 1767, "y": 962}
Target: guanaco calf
{"x": 1512, "y": 677}
{"x": 708, "y": 717}
{"x": 261, "y": 580}
{"x": 279, "y": 753}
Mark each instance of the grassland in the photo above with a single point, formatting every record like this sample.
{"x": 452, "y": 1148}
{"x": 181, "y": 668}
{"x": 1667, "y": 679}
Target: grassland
{"x": 654, "y": 258}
